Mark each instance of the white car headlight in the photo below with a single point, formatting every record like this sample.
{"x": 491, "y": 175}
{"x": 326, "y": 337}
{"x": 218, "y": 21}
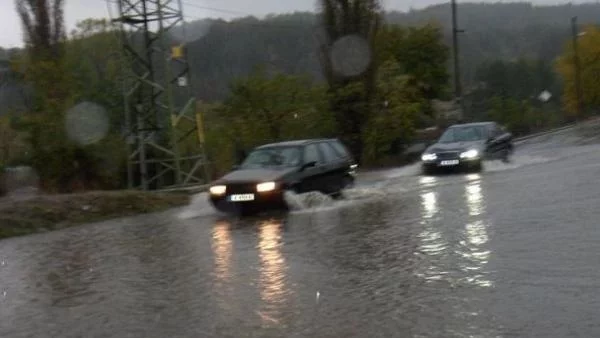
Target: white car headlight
{"x": 218, "y": 189}
{"x": 469, "y": 154}
{"x": 429, "y": 157}
{"x": 266, "y": 186}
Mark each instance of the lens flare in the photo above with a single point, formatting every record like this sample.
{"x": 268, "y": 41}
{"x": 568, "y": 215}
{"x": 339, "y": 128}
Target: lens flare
{"x": 87, "y": 123}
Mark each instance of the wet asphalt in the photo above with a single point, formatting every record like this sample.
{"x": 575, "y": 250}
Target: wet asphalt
{"x": 511, "y": 252}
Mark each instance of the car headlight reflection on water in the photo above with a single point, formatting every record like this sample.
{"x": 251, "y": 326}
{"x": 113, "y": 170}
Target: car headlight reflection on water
{"x": 218, "y": 190}
{"x": 266, "y": 186}
{"x": 429, "y": 157}
{"x": 469, "y": 154}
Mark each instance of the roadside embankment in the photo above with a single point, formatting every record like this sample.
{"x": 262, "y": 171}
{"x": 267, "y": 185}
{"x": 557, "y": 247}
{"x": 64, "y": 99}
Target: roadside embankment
{"x": 52, "y": 212}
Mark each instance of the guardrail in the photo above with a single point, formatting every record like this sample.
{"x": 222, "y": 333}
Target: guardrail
{"x": 547, "y": 132}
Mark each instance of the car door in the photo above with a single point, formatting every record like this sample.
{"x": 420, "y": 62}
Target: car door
{"x": 332, "y": 169}
{"x": 495, "y": 143}
{"x": 310, "y": 177}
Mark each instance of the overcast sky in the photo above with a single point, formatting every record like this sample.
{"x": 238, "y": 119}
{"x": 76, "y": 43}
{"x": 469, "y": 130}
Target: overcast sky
{"x": 10, "y": 28}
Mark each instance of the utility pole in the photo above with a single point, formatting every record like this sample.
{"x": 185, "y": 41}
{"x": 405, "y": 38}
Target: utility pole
{"x": 577, "y": 64}
{"x": 455, "y": 50}
{"x": 160, "y": 110}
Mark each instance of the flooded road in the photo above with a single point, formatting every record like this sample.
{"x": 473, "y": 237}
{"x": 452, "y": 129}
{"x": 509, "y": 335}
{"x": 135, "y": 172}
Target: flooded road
{"x": 510, "y": 252}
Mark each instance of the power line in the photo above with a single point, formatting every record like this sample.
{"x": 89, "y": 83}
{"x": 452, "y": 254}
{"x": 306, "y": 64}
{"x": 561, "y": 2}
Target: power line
{"x": 214, "y": 9}
{"x": 262, "y": 23}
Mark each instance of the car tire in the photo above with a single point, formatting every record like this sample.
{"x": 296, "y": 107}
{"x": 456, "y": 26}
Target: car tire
{"x": 347, "y": 182}
{"x": 506, "y": 156}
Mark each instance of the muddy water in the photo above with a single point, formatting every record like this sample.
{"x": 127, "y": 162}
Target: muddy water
{"x": 512, "y": 251}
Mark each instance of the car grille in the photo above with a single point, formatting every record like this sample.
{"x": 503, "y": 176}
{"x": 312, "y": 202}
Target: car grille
{"x": 241, "y": 188}
{"x": 448, "y": 155}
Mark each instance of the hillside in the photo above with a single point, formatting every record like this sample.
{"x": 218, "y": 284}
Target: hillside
{"x": 221, "y": 51}
{"x": 288, "y": 43}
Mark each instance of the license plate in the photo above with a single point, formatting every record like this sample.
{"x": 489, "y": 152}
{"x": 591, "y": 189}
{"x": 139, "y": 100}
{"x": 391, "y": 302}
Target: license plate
{"x": 449, "y": 163}
{"x": 241, "y": 198}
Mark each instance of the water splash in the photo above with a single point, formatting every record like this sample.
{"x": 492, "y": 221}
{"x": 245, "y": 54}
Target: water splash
{"x": 366, "y": 192}
{"x": 309, "y": 200}
{"x": 198, "y": 207}
{"x": 409, "y": 170}
{"x": 516, "y": 162}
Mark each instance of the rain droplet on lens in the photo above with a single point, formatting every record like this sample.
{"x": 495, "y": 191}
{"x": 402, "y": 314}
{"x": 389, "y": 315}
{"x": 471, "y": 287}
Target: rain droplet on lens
{"x": 87, "y": 123}
{"x": 350, "y": 55}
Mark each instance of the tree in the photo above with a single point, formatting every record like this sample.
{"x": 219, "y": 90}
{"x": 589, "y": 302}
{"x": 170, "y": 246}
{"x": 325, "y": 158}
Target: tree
{"x": 43, "y": 24}
{"x": 93, "y": 63}
{"x": 589, "y": 55}
{"x": 63, "y": 73}
{"x": 265, "y": 108}
{"x": 395, "y": 113}
{"x": 420, "y": 53}
{"x": 12, "y": 145}
{"x": 509, "y": 91}
{"x": 350, "y": 27}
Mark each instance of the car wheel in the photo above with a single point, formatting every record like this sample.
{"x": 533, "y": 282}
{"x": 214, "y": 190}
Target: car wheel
{"x": 506, "y": 156}
{"x": 347, "y": 182}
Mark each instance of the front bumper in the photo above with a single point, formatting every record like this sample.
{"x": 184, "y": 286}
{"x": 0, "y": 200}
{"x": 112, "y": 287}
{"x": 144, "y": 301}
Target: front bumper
{"x": 272, "y": 200}
{"x": 452, "y": 164}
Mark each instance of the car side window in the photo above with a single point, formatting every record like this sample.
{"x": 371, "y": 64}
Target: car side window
{"x": 498, "y": 130}
{"x": 328, "y": 152}
{"x": 311, "y": 154}
{"x": 339, "y": 149}
{"x": 494, "y": 130}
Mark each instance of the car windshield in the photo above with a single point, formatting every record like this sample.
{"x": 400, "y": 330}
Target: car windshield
{"x": 463, "y": 134}
{"x": 273, "y": 157}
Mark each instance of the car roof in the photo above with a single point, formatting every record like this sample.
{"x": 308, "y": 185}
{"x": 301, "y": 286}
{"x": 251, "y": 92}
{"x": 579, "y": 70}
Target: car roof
{"x": 473, "y": 124}
{"x": 294, "y": 143}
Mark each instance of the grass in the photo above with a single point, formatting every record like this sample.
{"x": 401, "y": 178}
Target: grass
{"x": 53, "y": 212}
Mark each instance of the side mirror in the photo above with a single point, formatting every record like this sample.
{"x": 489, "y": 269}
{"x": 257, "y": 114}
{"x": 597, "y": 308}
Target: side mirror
{"x": 308, "y": 165}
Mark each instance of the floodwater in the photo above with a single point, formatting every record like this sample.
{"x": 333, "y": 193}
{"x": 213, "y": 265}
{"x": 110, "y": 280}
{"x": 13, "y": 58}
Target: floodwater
{"x": 510, "y": 252}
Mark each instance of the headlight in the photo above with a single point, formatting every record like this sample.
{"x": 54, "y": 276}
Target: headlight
{"x": 469, "y": 154}
{"x": 265, "y": 186}
{"x": 429, "y": 157}
{"x": 218, "y": 189}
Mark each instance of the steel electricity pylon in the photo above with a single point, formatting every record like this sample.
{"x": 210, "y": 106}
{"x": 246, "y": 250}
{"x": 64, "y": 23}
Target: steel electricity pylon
{"x": 162, "y": 118}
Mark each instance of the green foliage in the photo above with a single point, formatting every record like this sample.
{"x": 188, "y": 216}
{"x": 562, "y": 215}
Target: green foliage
{"x": 84, "y": 69}
{"x": 509, "y": 93}
{"x": 522, "y": 79}
{"x": 350, "y": 96}
{"x": 394, "y": 115}
{"x": 265, "y": 108}
{"x": 92, "y": 58}
{"x": 12, "y": 143}
{"x": 421, "y": 53}
{"x": 589, "y": 56}
{"x": 522, "y": 116}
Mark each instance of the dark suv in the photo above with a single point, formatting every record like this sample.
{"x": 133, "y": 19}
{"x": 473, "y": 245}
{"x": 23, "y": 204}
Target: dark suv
{"x": 259, "y": 183}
